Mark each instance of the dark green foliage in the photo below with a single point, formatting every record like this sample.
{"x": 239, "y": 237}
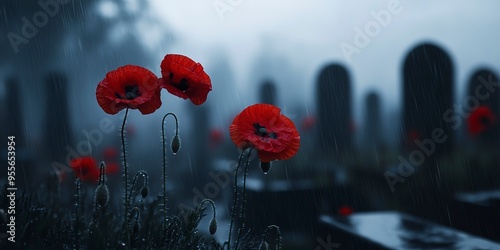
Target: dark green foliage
{"x": 52, "y": 225}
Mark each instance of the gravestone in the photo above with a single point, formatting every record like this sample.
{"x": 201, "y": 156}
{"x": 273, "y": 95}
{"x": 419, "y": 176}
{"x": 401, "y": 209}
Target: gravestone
{"x": 428, "y": 135}
{"x": 57, "y": 128}
{"x": 200, "y": 156}
{"x": 268, "y": 92}
{"x": 481, "y": 93}
{"x": 427, "y": 98}
{"x": 333, "y": 94}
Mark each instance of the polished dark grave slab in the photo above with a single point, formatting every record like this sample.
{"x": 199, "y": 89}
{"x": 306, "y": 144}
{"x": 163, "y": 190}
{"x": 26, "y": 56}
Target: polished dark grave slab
{"x": 395, "y": 230}
{"x": 489, "y": 198}
{"x": 294, "y": 205}
{"x": 478, "y": 213}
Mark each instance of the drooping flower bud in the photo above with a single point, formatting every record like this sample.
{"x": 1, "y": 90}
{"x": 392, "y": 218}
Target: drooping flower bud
{"x": 101, "y": 195}
{"x": 265, "y": 166}
{"x": 135, "y": 227}
{"x": 176, "y": 144}
{"x": 213, "y": 226}
{"x": 144, "y": 191}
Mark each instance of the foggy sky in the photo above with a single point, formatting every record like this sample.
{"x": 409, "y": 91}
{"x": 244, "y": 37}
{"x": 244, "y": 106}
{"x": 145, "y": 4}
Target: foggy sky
{"x": 309, "y": 34}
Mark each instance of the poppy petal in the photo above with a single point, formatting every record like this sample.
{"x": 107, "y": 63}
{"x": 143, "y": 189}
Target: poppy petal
{"x": 85, "y": 168}
{"x": 185, "y": 78}
{"x": 262, "y": 126}
{"x": 129, "y": 86}
{"x": 480, "y": 120}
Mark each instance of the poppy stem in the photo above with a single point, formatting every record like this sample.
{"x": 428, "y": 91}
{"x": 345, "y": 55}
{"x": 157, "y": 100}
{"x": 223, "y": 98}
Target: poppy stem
{"x": 145, "y": 178}
{"x": 136, "y": 215}
{"x": 125, "y": 173}
{"x": 235, "y": 199}
{"x": 212, "y": 203}
{"x": 164, "y": 170}
{"x": 242, "y": 210}
{"x": 102, "y": 172}
{"x": 77, "y": 214}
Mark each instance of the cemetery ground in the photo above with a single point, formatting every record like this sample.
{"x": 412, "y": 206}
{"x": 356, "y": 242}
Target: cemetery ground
{"x": 295, "y": 201}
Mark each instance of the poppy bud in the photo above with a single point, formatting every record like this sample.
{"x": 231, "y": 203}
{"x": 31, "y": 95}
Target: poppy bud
{"x": 101, "y": 195}
{"x": 265, "y": 166}
{"x": 213, "y": 226}
{"x": 135, "y": 227}
{"x": 144, "y": 191}
{"x": 176, "y": 144}
{"x": 263, "y": 246}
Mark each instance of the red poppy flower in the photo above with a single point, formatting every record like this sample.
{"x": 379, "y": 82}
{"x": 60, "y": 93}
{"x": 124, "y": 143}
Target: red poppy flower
{"x": 267, "y": 130}
{"x": 85, "y": 168}
{"x": 480, "y": 120}
{"x": 185, "y": 78}
{"x": 345, "y": 210}
{"x": 129, "y": 86}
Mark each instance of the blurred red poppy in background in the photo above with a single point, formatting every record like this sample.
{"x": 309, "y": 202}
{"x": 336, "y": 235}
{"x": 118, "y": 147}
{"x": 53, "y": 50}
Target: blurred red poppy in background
{"x": 411, "y": 136}
{"x": 85, "y": 168}
{"x": 352, "y": 126}
{"x": 129, "y": 86}
{"x": 185, "y": 78}
{"x": 480, "y": 120}
{"x": 345, "y": 210}
{"x": 263, "y": 127}
{"x": 216, "y": 137}
{"x": 112, "y": 168}
{"x": 414, "y": 134}
{"x": 110, "y": 153}
{"x": 308, "y": 122}
{"x": 131, "y": 130}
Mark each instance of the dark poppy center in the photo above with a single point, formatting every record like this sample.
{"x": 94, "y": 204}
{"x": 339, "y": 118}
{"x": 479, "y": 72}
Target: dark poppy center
{"x": 182, "y": 85}
{"x": 131, "y": 92}
{"x": 484, "y": 120}
{"x": 84, "y": 171}
{"x": 262, "y": 132}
